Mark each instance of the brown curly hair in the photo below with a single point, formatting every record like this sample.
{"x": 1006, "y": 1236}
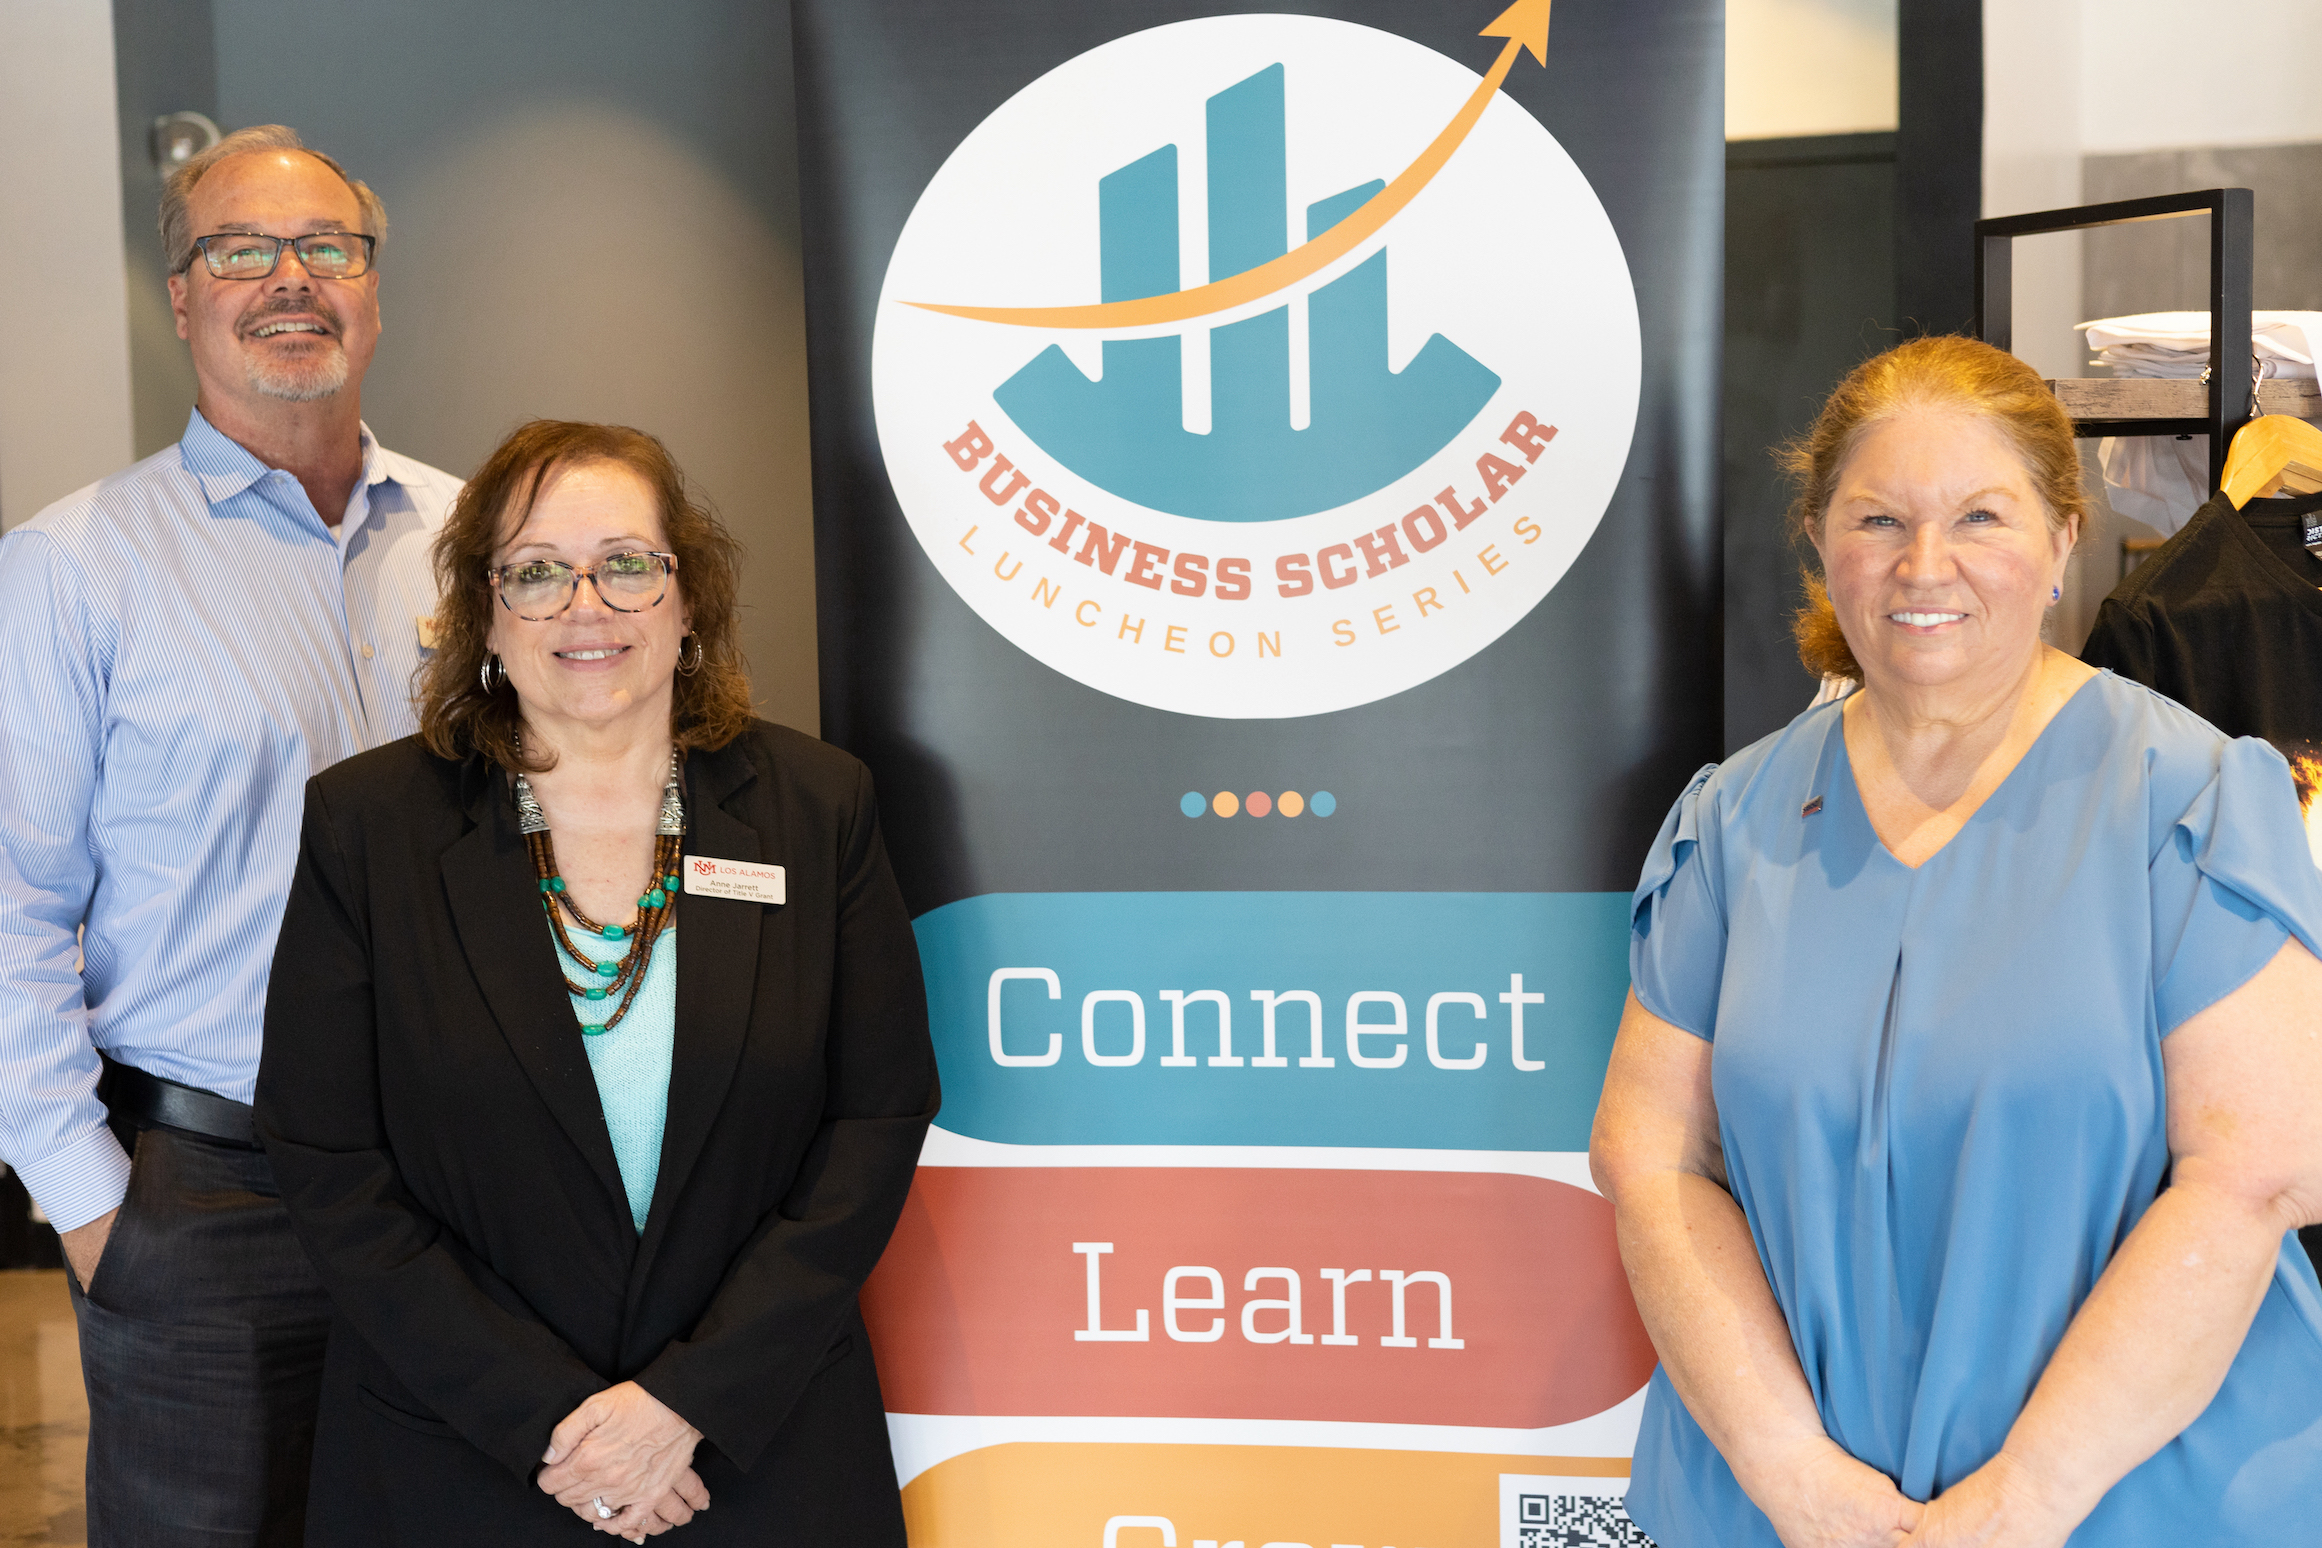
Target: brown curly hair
{"x": 712, "y": 705}
{"x": 1943, "y": 372}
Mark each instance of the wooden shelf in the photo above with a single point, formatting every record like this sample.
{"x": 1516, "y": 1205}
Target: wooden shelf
{"x": 2097, "y": 398}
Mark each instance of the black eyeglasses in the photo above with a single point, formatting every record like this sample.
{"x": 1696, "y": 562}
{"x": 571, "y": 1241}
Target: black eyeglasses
{"x": 537, "y": 590}
{"x": 247, "y": 255}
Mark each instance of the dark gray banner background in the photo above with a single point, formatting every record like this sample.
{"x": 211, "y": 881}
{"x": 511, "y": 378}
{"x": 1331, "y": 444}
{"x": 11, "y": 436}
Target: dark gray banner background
{"x": 1543, "y": 763}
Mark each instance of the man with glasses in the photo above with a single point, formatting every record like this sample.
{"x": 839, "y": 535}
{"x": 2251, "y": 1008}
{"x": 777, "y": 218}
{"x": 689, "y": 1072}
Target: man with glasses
{"x": 181, "y": 646}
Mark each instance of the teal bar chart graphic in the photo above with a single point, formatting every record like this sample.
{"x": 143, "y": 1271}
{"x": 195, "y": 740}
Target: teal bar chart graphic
{"x": 1368, "y": 425}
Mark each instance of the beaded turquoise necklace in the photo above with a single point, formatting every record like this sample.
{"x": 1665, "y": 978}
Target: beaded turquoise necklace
{"x": 623, "y": 975}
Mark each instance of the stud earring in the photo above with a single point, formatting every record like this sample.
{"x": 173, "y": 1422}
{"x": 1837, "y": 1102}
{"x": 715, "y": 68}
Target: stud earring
{"x": 2055, "y": 593}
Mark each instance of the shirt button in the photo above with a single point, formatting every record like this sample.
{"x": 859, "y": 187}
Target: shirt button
{"x": 366, "y": 652}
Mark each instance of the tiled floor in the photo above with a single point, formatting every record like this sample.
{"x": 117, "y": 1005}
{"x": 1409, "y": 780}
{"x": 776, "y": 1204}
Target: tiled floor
{"x": 44, "y": 1417}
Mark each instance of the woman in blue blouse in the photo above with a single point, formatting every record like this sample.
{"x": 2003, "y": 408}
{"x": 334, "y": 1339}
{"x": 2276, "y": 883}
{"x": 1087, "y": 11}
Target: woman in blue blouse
{"x": 1971, "y": 1089}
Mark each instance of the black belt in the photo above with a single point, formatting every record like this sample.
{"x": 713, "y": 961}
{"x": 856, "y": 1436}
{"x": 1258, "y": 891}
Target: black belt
{"x": 150, "y": 1098}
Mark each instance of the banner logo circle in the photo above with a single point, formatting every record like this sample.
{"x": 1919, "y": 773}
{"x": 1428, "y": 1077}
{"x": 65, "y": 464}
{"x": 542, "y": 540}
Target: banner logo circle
{"x": 1256, "y": 366}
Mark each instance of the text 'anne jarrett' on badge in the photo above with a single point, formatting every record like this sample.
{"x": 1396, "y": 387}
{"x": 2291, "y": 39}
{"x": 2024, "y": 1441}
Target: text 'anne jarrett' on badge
{"x": 745, "y": 880}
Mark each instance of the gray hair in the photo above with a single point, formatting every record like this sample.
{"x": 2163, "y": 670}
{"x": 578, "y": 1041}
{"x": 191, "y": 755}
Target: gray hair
{"x": 177, "y": 234}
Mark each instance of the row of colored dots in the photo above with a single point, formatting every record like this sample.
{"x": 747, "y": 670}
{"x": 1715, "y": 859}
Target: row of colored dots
{"x": 1257, "y": 803}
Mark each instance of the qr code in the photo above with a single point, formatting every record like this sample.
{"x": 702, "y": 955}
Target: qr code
{"x": 1575, "y": 1521}
{"x": 1566, "y": 1510}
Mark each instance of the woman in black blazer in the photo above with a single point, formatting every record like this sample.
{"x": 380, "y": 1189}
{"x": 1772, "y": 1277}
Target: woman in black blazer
{"x": 573, "y": 1291}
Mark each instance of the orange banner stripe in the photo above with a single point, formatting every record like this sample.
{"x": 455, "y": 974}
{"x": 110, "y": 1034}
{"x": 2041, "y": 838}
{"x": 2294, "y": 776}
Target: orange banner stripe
{"x": 1061, "y": 1495}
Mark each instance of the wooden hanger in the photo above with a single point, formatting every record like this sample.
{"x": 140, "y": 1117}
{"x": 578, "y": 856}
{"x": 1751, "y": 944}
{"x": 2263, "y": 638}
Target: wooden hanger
{"x": 2274, "y": 454}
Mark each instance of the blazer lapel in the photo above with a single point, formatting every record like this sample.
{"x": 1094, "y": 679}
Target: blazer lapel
{"x": 717, "y": 978}
{"x": 495, "y": 904}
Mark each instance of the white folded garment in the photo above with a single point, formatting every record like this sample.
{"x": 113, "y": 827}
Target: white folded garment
{"x": 2165, "y": 343}
{"x": 2186, "y": 364}
{"x": 2161, "y": 480}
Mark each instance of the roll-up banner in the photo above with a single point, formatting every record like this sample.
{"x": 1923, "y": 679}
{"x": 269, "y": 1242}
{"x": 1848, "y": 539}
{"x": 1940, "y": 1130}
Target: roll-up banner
{"x": 1267, "y": 546}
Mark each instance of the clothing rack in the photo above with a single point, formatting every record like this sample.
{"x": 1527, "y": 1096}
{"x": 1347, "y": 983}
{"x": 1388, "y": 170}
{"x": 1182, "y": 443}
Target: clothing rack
{"x": 2216, "y": 407}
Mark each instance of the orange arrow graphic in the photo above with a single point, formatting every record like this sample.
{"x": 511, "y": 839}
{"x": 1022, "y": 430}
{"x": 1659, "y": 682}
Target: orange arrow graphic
{"x": 1524, "y": 25}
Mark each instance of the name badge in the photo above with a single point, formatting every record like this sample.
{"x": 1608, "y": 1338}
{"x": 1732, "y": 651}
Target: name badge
{"x": 740, "y": 879}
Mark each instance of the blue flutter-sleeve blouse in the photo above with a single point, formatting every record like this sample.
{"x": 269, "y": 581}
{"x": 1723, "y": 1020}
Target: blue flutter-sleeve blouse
{"x": 1942, "y": 1102}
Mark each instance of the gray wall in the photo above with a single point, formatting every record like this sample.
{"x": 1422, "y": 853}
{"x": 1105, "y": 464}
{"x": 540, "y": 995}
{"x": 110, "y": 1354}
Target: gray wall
{"x": 594, "y": 215}
{"x": 2164, "y": 265}
{"x": 163, "y": 62}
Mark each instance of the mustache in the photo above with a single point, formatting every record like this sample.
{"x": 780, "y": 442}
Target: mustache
{"x": 292, "y": 306}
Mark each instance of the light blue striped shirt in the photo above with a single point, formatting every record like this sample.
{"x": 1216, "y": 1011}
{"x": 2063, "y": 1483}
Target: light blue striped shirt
{"x": 181, "y": 646}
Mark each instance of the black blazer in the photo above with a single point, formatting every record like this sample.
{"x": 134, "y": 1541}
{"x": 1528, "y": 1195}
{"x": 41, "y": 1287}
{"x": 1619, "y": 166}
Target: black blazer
{"x": 438, "y": 1138}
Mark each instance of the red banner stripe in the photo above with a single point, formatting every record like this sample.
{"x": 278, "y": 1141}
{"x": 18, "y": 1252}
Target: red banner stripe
{"x": 982, "y": 1303}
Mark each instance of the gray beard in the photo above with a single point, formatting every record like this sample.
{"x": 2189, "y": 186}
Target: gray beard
{"x": 303, "y": 382}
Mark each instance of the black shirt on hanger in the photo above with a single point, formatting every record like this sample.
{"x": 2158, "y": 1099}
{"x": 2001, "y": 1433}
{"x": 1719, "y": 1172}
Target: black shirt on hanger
{"x": 2227, "y": 620}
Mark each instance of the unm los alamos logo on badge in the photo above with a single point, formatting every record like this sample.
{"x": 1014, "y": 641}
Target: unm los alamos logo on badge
{"x": 1355, "y": 388}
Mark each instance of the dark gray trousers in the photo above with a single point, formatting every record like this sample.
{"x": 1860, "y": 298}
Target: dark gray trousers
{"x": 202, "y": 1338}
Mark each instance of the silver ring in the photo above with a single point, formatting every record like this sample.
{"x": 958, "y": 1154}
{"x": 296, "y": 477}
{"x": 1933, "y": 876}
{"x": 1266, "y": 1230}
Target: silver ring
{"x": 604, "y": 1512}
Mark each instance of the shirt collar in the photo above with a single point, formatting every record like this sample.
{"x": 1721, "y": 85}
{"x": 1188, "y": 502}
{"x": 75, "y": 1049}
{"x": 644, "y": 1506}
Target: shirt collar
{"x": 225, "y": 468}
{"x": 375, "y": 471}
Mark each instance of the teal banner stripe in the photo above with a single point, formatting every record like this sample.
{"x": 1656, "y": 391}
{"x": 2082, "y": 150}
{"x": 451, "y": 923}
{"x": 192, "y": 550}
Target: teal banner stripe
{"x": 1094, "y": 1018}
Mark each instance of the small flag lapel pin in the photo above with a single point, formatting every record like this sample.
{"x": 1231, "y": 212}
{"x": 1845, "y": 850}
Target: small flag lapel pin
{"x": 1813, "y": 805}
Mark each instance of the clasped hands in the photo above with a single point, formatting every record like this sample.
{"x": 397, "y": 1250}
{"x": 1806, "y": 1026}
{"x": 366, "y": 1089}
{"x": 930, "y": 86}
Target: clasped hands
{"x": 1833, "y": 1500}
{"x": 625, "y": 1447}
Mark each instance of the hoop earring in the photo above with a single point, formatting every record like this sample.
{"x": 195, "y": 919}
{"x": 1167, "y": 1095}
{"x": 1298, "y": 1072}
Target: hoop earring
{"x": 484, "y": 673}
{"x": 682, "y": 669}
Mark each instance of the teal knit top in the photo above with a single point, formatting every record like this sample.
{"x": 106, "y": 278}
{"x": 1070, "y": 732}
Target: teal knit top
{"x": 631, "y": 1063}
